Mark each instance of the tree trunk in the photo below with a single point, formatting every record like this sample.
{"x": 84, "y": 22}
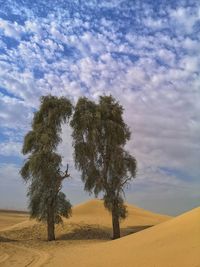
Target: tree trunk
{"x": 116, "y": 226}
{"x": 50, "y": 224}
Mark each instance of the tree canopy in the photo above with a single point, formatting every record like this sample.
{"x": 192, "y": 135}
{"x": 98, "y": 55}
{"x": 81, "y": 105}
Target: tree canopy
{"x": 42, "y": 168}
{"x": 99, "y": 136}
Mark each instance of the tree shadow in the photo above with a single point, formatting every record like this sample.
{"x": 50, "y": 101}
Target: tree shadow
{"x": 74, "y": 232}
{"x": 87, "y": 232}
{"x": 5, "y": 239}
{"x": 95, "y": 232}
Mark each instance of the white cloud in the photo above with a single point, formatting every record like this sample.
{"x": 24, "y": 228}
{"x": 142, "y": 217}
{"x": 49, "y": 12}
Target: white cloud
{"x": 191, "y": 64}
{"x": 14, "y": 113}
{"x": 10, "y": 149}
{"x": 11, "y": 29}
{"x": 154, "y": 24}
{"x": 154, "y": 73}
{"x": 185, "y": 18}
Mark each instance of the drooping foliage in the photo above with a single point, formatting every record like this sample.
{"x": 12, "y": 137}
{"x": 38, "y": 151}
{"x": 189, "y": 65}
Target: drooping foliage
{"x": 42, "y": 169}
{"x": 99, "y": 136}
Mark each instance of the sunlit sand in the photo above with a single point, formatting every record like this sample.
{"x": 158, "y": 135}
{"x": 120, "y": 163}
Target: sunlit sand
{"x": 85, "y": 239}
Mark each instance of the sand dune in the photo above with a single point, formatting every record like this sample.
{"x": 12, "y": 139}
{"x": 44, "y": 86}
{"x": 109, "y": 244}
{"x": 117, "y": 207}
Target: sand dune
{"x": 90, "y": 220}
{"x": 175, "y": 243}
{"x": 92, "y": 217}
{"x": 93, "y": 213}
{"x": 84, "y": 240}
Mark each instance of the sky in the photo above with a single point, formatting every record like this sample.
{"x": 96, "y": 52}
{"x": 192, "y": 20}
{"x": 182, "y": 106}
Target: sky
{"x": 145, "y": 53}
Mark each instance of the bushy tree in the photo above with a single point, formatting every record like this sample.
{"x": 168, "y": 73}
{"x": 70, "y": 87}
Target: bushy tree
{"x": 42, "y": 168}
{"x": 99, "y": 136}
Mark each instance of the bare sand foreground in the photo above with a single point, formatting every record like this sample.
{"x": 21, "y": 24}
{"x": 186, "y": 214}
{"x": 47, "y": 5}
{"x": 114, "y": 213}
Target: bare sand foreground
{"x": 84, "y": 240}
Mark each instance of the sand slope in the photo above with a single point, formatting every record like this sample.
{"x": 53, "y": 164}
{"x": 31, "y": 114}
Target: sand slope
{"x": 175, "y": 243}
{"x": 94, "y": 212}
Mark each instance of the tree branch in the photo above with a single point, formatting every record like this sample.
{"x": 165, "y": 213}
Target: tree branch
{"x": 65, "y": 174}
{"x": 125, "y": 181}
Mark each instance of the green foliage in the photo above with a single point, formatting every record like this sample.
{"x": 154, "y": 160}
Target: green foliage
{"x": 116, "y": 204}
{"x": 42, "y": 167}
{"x": 46, "y": 126}
{"x": 40, "y": 197}
{"x": 99, "y": 136}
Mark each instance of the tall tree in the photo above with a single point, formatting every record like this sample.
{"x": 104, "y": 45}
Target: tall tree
{"x": 99, "y": 136}
{"x": 42, "y": 168}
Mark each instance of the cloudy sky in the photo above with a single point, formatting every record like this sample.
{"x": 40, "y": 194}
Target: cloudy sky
{"x": 145, "y": 53}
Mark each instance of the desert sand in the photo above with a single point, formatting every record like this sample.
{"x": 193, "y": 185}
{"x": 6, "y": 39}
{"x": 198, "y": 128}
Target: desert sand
{"x": 10, "y": 218}
{"x": 84, "y": 240}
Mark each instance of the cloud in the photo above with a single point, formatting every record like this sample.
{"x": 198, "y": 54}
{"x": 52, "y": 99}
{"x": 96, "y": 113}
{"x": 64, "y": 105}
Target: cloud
{"x": 13, "y": 30}
{"x": 154, "y": 24}
{"x": 147, "y": 57}
{"x": 185, "y": 18}
{"x": 11, "y": 149}
{"x": 14, "y": 113}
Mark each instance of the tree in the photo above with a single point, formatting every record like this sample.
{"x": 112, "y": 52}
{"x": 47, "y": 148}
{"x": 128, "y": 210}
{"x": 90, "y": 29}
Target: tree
{"x": 42, "y": 169}
{"x": 99, "y": 136}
